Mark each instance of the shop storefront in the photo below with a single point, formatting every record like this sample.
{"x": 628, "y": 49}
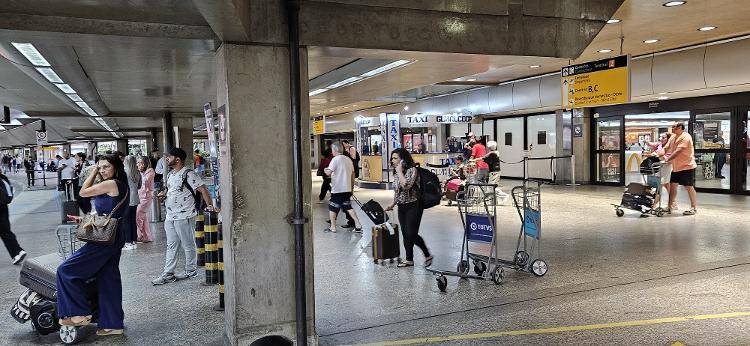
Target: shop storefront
{"x": 625, "y": 134}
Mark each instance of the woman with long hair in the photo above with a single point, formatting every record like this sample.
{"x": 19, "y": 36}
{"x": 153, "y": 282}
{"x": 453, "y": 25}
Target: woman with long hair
{"x": 95, "y": 260}
{"x": 144, "y": 194}
{"x": 406, "y": 196}
{"x": 134, "y": 183}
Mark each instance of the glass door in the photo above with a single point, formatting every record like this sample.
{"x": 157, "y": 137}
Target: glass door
{"x": 608, "y": 151}
{"x": 712, "y": 139}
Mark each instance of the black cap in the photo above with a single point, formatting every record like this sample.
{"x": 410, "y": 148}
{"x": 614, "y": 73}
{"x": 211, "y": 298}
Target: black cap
{"x": 179, "y": 153}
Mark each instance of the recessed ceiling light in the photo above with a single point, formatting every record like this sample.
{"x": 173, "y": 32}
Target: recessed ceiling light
{"x": 31, "y": 53}
{"x": 674, "y": 3}
{"x": 605, "y": 51}
{"x": 662, "y": 97}
{"x": 535, "y": 66}
{"x": 707, "y": 28}
{"x": 653, "y": 40}
{"x": 613, "y": 21}
{"x": 406, "y": 108}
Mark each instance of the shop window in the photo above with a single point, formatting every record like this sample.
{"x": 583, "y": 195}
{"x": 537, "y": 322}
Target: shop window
{"x": 712, "y": 131}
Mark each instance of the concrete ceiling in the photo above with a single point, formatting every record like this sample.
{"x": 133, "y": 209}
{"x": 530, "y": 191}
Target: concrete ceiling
{"x": 148, "y": 57}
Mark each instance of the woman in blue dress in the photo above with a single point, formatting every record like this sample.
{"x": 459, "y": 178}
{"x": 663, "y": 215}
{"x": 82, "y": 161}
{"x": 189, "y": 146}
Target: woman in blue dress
{"x": 97, "y": 261}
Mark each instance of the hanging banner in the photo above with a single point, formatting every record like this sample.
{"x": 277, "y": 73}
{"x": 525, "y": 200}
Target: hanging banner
{"x": 596, "y": 83}
{"x": 394, "y": 131}
{"x": 211, "y": 133}
{"x": 319, "y": 125}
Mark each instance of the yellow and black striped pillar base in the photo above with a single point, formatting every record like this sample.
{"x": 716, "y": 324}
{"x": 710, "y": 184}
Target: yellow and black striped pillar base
{"x": 211, "y": 245}
{"x": 199, "y": 239}
{"x": 220, "y": 307}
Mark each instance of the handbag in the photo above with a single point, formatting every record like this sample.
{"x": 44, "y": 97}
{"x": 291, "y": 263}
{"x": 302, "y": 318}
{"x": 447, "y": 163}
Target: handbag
{"x": 100, "y": 229}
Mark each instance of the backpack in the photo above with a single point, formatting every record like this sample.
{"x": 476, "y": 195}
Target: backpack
{"x": 6, "y": 191}
{"x": 493, "y": 161}
{"x": 430, "y": 192}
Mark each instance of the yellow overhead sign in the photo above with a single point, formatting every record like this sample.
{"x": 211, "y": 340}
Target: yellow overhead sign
{"x": 319, "y": 125}
{"x": 597, "y": 83}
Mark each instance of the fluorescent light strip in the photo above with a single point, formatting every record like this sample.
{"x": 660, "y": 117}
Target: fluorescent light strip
{"x": 349, "y": 80}
{"x": 382, "y": 69}
{"x": 90, "y": 111}
{"x": 82, "y": 104}
{"x": 74, "y": 97}
{"x": 316, "y": 92}
{"x": 50, "y": 74}
{"x": 32, "y": 55}
{"x": 65, "y": 88}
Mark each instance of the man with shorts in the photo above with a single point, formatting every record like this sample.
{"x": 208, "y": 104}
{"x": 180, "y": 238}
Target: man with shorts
{"x": 341, "y": 171}
{"x": 682, "y": 158}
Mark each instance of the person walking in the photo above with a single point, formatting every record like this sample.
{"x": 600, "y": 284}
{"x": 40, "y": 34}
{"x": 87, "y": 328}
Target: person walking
{"x": 134, "y": 184}
{"x": 144, "y": 194}
{"x": 478, "y": 151}
{"x": 326, "y": 186}
{"x": 29, "y": 165}
{"x": 682, "y": 158}
{"x": 181, "y": 185}
{"x": 17, "y": 254}
{"x": 341, "y": 171}
{"x": 720, "y": 158}
{"x": 406, "y": 196}
{"x": 95, "y": 260}
{"x": 66, "y": 174}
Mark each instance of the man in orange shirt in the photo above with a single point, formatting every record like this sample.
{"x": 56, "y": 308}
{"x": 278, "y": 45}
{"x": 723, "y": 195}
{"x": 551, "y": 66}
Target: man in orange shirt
{"x": 683, "y": 163}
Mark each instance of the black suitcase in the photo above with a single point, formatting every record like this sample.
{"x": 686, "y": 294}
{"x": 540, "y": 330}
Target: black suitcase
{"x": 374, "y": 211}
{"x": 69, "y": 206}
{"x": 40, "y": 274}
{"x": 385, "y": 246}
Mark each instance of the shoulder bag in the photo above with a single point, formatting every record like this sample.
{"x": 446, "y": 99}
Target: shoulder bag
{"x": 100, "y": 229}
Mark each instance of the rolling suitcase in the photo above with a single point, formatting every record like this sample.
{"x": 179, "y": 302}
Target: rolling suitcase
{"x": 40, "y": 275}
{"x": 69, "y": 206}
{"x": 373, "y": 210}
{"x": 385, "y": 243}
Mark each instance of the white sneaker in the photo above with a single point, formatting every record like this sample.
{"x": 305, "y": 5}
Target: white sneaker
{"x": 129, "y": 246}
{"x": 19, "y": 258}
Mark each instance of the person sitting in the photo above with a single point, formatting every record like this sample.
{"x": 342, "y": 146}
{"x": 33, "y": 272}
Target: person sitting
{"x": 96, "y": 261}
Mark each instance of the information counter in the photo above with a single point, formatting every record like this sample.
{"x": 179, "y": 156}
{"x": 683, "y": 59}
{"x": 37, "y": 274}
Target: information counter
{"x": 373, "y": 173}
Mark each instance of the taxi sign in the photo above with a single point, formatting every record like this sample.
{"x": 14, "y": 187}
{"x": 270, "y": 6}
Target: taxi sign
{"x": 596, "y": 83}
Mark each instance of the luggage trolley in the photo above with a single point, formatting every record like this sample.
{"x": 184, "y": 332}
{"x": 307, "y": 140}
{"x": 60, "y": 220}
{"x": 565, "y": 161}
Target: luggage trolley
{"x": 644, "y": 198}
{"x": 478, "y": 212}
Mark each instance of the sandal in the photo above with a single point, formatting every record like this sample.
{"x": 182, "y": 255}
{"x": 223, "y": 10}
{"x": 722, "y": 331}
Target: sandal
{"x": 81, "y": 321}
{"x": 107, "y": 332}
{"x": 428, "y": 261}
{"x": 405, "y": 264}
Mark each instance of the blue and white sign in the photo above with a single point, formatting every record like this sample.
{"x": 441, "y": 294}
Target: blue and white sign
{"x": 532, "y": 222}
{"x": 394, "y": 130}
{"x": 480, "y": 227}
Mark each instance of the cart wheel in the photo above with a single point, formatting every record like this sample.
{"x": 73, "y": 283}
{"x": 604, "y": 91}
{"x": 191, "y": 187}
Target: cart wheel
{"x": 69, "y": 335}
{"x": 498, "y": 275}
{"x": 521, "y": 258}
{"x": 442, "y": 283}
{"x": 539, "y": 267}
{"x": 619, "y": 212}
{"x": 463, "y": 267}
{"x": 660, "y": 213}
{"x": 43, "y": 317}
{"x": 479, "y": 268}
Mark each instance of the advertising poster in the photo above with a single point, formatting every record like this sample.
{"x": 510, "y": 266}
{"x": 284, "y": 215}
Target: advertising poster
{"x": 210, "y": 132}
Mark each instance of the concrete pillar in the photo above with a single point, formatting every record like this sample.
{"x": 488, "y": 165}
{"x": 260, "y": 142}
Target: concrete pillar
{"x": 122, "y": 145}
{"x": 253, "y": 85}
{"x": 167, "y": 133}
{"x": 91, "y": 150}
{"x": 182, "y": 131}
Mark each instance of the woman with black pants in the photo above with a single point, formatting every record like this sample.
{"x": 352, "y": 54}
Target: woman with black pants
{"x": 406, "y": 196}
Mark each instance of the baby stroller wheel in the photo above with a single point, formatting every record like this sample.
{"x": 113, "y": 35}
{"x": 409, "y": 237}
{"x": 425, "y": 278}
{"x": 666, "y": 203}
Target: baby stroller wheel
{"x": 479, "y": 268}
{"x": 43, "y": 317}
{"x": 619, "y": 212}
{"x": 69, "y": 335}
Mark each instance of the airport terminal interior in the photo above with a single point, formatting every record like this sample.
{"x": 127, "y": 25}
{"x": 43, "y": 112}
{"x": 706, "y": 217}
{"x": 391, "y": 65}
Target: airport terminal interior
{"x": 579, "y": 170}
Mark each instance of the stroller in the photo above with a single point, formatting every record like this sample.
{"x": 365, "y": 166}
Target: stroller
{"x": 38, "y": 303}
{"x": 643, "y": 197}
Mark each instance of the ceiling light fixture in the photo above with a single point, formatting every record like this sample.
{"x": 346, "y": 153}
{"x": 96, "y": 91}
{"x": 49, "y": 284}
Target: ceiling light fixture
{"x": 406, "y": 108}
{"x": 613, "y": 21}
{"x": 50, "y": 74}
{"x": 344, "y": 82}
{"x": 74, "y": 97}
{"x": 653, "y": 40}
{"x": 674, "y": 3}
{"x": 32, "y": 55}
{"x": 316, "y": 92}
{"x": 535, "y": 66}
{"x": 605, "y": 51}
{"x": 662, "y": 97}
{"x": 65, "y": 88}
{"x": 382, "y": 69}
{"x": 707, "y": 28}
{"x": 471, "y": 80}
